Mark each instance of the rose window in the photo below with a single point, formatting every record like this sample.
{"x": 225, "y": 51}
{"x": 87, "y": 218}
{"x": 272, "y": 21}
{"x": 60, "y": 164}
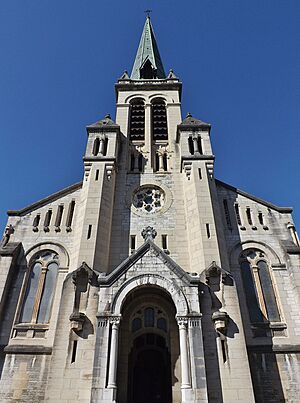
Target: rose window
{"x": 149, "y": 199}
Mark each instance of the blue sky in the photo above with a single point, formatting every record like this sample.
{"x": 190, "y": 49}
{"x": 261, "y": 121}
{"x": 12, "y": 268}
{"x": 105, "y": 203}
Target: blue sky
{"x": 239, "y": 62}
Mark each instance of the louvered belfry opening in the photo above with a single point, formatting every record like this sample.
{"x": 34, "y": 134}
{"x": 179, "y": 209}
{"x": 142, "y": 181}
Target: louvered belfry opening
{"x": 159, "y": 120}
{"x": 137, "y": 119}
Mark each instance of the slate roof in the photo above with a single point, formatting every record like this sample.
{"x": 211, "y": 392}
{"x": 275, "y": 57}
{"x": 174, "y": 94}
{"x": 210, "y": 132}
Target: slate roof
{"x": 147, "y": 50}
{"x": 46, "y": 200}
{"x": 190, "y": 122}
{"x": 254, "y": 198}
{"x": 107, "y": 121}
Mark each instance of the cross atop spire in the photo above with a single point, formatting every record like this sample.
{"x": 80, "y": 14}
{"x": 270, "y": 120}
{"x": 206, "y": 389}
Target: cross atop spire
{"x": 147, "y": 64}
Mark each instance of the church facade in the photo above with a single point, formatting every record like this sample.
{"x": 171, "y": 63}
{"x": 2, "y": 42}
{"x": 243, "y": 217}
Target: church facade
{"x": 150, "y": 280}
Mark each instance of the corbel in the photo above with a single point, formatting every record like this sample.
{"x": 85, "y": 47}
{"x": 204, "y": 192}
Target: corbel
{"x": 81, "y": 277}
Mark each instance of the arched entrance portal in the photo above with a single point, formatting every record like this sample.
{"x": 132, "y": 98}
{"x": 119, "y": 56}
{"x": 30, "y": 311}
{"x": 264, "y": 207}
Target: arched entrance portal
{"x": 148, "y": 362}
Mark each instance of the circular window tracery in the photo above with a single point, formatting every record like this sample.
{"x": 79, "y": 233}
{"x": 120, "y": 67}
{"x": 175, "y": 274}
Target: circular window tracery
{"x": 149, "y": 199}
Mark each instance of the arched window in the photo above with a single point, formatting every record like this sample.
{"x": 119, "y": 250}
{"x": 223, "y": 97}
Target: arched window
{"x": 137, "y": 120}
{"x": 259, "y": 290}
{"x": 96, "y": 146}
{"x": 159, "y": 120}
{"x": 40, "y": 288}
{"x": 147, "y": 317}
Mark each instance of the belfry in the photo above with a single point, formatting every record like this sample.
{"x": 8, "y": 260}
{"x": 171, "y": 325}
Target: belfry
{"x": 149, "y": 281}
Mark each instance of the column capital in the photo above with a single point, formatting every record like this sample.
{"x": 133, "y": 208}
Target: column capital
{"x": 114, "y": 320}
{"x": 182, "y": 321}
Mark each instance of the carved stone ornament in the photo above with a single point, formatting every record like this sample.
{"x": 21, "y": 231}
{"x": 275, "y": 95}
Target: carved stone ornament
{"x": 220, "y": 319}
{"x": 83, "y": 271}
{"x": 109, "y": 168}
{"x": 9, "y": 230}
{"x": 81, "y": 277}
{"x": 77, "y": 319}
{"x": 87, "y": 169}
{"x": 215, "y": 271}
{"x": 114, "y": 320}
{"x": 187, "y": 168}
{"x": 149, "y": 233}
{"x": 182, "y": 321}
{"x": 210, "y": 169}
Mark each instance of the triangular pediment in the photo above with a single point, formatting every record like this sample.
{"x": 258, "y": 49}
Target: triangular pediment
{"x": 148, "y": 249}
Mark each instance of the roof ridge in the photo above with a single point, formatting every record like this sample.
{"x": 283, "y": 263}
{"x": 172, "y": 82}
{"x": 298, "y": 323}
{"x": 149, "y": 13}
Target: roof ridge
{"x": 255, "y": 198}
{"x": 45, "y": 200}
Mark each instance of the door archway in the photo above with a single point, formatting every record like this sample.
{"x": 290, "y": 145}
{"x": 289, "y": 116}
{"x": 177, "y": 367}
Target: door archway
{"x": 148, "y": 361}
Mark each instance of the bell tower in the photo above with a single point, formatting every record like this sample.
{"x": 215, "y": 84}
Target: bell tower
{"x": 148, "y": 108}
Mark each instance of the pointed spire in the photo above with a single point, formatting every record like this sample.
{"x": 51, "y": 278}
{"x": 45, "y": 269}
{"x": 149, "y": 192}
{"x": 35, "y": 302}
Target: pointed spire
{"x": 147, "y": 62}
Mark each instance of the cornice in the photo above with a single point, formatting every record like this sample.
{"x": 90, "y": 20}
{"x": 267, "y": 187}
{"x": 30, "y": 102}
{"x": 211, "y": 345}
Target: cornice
{"x": 46, "y": 200}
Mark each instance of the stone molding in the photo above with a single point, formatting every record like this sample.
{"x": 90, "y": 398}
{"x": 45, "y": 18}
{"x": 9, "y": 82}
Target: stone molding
{"x": 169, "y": 286}
{"x": 283, "y": 210}
{"x": 43, "y": 202}
{"x": 27, "y": 349}
{"x": 107, "y": 280}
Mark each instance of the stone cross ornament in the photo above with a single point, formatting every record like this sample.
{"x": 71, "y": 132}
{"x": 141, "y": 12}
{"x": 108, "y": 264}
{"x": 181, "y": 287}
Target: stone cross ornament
{"x": 149, "y": 233}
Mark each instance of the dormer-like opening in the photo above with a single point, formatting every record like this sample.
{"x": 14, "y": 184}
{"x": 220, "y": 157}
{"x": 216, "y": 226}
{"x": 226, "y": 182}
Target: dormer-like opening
{"x": 137, "y": 120}
{"x": 147, "y": 71}
{"x": 159, "y": 120}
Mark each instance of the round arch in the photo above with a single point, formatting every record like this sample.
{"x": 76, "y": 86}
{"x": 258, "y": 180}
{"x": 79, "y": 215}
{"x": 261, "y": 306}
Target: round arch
{"x": 164, "y": 97}
{"x": 240, "y": 247}
{"x": 170, "y": 287}
{"x": 130, "y": 98}
{"x": 55, "y": 247}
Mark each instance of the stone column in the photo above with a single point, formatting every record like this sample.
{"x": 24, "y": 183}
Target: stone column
{"x": 198, "y": 373}
{"x": 196, "y": 147}
{"x": 160, "y": 161}
{"x": 136, "y": 159}
{"x": 184, "y": 355}
{"x": 101, "y": 145}
{"x": 112, "y": 372}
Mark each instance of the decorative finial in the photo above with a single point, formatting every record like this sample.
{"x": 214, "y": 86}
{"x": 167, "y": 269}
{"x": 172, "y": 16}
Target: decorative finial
{"x": 149, "y": 233}
{"x": 148, "y": 13}
{"x": 189, "y": 115}
{"x": 124, "y": 76}
{"x": 107, "y": 116}
{"x": 171, "y": 74}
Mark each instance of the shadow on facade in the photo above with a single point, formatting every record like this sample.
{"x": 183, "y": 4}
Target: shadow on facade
{"x": 263, "y": 364}
{"x": 126, "y": 181}
{"x": 12, "y": 292}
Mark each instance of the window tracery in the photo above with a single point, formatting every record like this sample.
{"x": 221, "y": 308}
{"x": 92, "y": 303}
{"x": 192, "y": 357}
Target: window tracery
{"x": 40, "y": 287}
{"x": 149, "y": 317}
{"x": 149, "y": 199}
{"x": 259, "y": 289}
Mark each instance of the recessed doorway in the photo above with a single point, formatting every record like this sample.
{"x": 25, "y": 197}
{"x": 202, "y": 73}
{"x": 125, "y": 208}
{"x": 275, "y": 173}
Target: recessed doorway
{"x": 149, "y": 375}
{"x": 148, "y": 359}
